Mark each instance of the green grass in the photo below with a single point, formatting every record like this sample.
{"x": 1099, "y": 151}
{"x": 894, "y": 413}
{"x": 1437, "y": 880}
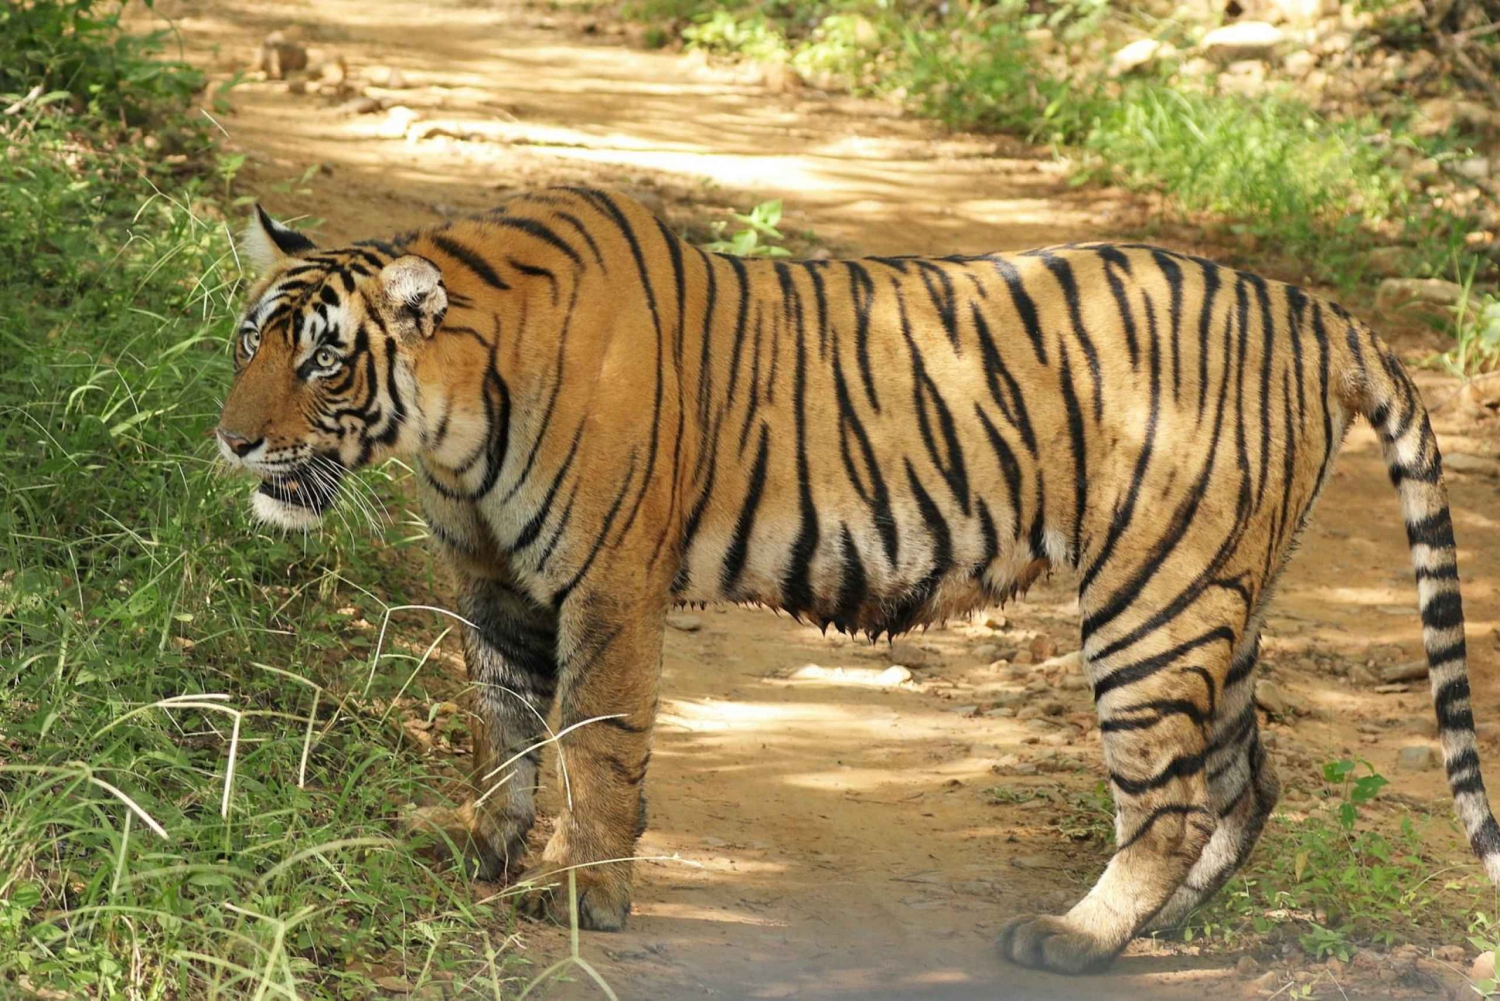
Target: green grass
{"x": 1309, "y": 192}
{"x": 197, "y": 799}
{"x": 1335, "y": 876}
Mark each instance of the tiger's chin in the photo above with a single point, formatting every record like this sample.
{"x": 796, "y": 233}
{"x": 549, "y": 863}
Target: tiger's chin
{"x": 276, "y": 512}
{"x": 297, "y": 500}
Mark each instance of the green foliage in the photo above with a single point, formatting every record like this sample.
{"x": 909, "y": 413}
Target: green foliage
{"x": 1276, "y": 172}
{"x": 1484, "y": 935}
{"x": 1337, "y": 879}
{"x": 759, "y": 226}
{"x": 74, "y": 52}
{"x": 1476, "y": 326}
{"x": 194, "y": 798}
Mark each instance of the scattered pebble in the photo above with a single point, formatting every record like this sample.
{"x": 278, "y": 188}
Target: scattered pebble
{"x": 1042, "y": 648}
{"x": 1391, "y": 689}
{"x": 1417, "y": 758}
{"x": 1411, "y": 671}
{"x": 685, "y": 623}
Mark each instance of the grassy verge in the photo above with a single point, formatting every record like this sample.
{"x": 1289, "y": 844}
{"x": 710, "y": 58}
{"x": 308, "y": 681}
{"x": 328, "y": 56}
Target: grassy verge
{"x": 197, "y": 797}
{"x": 1294, "y": 188}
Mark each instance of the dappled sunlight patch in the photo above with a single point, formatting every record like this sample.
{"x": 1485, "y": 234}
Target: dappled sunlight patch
{"x": 691, "y": 912}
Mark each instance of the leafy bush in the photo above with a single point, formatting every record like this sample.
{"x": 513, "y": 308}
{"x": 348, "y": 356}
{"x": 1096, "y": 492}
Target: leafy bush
{"x": 194, "y": 799}
{"x": 73, "y": 51}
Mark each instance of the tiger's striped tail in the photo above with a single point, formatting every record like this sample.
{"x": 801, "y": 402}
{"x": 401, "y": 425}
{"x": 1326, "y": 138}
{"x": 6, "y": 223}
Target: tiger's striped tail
{"x": 1385, "y": 395}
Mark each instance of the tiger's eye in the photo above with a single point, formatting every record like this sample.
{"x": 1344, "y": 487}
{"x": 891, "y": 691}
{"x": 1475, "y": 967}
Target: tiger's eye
{"x": 326, "y": 358}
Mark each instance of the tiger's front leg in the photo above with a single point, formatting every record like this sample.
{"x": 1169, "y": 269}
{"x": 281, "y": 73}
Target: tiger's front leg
{"x": 610, "y": 647}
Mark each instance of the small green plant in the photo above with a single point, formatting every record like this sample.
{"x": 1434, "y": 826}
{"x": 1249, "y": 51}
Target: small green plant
{"x": 75, "y": 49}
{"x": 1337, "y": 878}
{"x": 759, "y": 226}
{"x": 1476, "y": 327}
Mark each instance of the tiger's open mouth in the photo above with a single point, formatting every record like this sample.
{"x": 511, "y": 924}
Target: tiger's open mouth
{"x": 299, "y": 498}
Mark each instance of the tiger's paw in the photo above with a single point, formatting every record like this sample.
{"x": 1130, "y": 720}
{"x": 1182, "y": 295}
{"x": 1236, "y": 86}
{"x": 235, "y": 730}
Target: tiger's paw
{"x": 486, "y": 849}
{"x": 603, "y": 895}
{"x": 1052, "y": 943}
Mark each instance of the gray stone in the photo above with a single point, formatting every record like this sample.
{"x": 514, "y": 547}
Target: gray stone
{"x": 685, "y": 623}
{"x": 1242, "y": 40}
{"x": 1475, "y": 168}
{"x": 1395, "y": 292}
{"x": 1416, "y": 758}
{"x": 1414, "y": 670}
{"x": 1270, "y": 697}
{"x": 1478, "y": 465}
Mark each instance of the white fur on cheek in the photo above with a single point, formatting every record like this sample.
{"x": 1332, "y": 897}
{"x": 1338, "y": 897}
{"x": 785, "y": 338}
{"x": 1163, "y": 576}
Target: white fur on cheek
{"x": 275, "y": 512}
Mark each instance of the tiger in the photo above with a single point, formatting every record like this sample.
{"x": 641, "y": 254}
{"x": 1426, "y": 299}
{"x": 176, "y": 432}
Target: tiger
{"x": 606, "y": 422}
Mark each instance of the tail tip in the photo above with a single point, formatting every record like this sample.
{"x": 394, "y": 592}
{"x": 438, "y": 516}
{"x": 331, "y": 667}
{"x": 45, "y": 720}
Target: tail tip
{"x": 1492, "y": 867}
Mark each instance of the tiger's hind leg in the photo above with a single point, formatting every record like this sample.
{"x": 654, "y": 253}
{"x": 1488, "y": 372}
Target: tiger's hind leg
{"x": 1155, "y": 687}
{"x": 1242, "y": 790}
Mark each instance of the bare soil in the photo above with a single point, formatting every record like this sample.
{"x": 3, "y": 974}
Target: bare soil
{"x": 832, "y": 839}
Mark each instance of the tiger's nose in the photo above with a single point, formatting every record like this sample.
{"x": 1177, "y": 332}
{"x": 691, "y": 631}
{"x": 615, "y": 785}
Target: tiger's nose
{"x": 238, "y": 443}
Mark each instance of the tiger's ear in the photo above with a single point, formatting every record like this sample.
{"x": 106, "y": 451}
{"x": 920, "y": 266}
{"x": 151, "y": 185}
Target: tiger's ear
{"x": 266, "y": 242}
{"x": 414, "y": 293}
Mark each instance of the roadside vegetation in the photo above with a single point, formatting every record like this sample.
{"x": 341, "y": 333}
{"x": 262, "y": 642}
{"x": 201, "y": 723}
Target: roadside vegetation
{"x": 1348, "y": 145}
{"x": 194, "y": 801}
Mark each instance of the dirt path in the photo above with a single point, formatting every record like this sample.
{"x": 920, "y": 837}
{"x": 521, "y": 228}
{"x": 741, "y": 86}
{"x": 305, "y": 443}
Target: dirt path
{"x": 837, "y": 840}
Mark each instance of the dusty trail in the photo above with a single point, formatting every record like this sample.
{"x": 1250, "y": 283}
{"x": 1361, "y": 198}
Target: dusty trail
{"x": 837, "y": 839}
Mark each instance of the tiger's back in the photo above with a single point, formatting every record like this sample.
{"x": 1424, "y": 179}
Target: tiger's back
{"x": 609, "y": 420}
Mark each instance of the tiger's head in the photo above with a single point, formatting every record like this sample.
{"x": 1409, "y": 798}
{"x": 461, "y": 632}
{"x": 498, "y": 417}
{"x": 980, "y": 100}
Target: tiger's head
{"x": 323, "y": 378}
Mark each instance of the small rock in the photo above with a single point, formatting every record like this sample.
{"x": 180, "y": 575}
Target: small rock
{"x": 894, "y": 675}
{"x": 1388, "y": 262}
{"x": 1246, "y": 966}
{"x": 1416, "y": 758}
{"x": 398, "y": 119}
{"x": 1029, "y": 713}
{"x": 1139, "y": 53}
{"x": 1395, "y": 292}
{"x": 1411, "y": 671}
{"x": 1361, "y": 675}
{"x": 1242, "y": 40}
{"x": 334, "y": 71}
{"x": 396, "y": 80}
{"x": 712, "y": 842}
{"x": 396, "y": 985}
{"x": 1041, "y": 39}
{"x": 360, "y": 106}
{"x": 1001, "y": 712}
{"x": 1475, "y": 168}
{"x": 910, "y": 655}
{"x": 1301, "y": 12}
{"x": 986, "y": 652}
{"x": 1300, "y": 63}
{"x": 1042, "y": 647}
{"x": 1268, "y": 981}
{"x": 684, "y": 622}
{"x": 1270, "y": 697}
{"x": 1450, "y": 953}
{"x": 1031, "y": 862}
{"x": 1478, "y": 465}
{"x": 782, "y": 79}
{"x": 1483, "y": 967}
{"x": 1073, "y": 683}
{"x": 1391, "y": 689}
{"x": 278, "y": 56}
{"x": 1068, "y": 663}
